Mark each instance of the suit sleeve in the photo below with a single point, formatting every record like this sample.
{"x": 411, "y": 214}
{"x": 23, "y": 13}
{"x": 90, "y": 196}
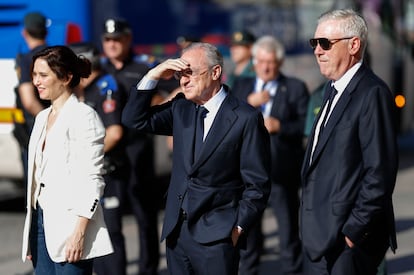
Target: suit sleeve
{"x": 255, "y": 171}
{"x": 298, "y": 103}
{"x": 139, "y": 114}
{"x": 87, "y": 153}
{"x": 379, "y": 156}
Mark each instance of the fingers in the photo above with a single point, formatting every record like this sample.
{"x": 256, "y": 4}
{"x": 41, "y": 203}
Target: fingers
{"x": 167, "y": 68}
{"x": 73, "y": 255}
{"x": 235, "y": 234}
{"x": 74, "y": 251}
{"x": 349, "y": 242}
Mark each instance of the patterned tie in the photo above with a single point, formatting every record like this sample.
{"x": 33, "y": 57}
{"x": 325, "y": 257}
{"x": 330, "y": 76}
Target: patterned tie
{"x": 199, "y": 133}
{"x": 331, "y": 97}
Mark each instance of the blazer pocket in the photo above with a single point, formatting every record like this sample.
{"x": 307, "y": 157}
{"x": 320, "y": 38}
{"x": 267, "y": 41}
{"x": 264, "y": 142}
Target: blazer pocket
{"x": 341, "y": 208}
{"x": 343, "y": 125}
{"x": 227, "y": 147}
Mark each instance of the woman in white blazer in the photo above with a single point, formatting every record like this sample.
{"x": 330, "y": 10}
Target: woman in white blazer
{"x": 64, "y": 227}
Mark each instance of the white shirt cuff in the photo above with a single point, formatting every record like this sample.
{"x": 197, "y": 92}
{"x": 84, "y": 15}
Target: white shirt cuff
{"x": 146, "y": 84}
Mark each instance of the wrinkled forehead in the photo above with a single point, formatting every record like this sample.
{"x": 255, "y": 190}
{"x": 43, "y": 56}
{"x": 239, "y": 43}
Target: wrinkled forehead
{"x": 196, "y": 58}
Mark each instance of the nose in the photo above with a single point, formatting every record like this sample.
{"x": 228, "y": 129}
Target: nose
{"x": 318, "y": 49}
{"x": 185, "y": 79}
{"x": 35, "y": 80}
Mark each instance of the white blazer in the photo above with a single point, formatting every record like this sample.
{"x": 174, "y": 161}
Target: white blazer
{"x": 73, "y": 182}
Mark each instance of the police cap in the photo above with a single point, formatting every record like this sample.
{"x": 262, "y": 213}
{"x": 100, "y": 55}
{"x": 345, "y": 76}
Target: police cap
{"x": 116, "y": 27}
{"x": 242, "y": 38}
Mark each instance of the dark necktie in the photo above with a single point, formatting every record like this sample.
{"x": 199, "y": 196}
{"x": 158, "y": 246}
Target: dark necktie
{"x": 332, "y": 94}
{"x": 199, "y": 133}
{"x": 263, "y": 106}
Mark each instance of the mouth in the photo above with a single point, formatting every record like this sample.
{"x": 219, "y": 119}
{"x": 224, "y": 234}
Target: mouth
{"x": 187, "y": 87}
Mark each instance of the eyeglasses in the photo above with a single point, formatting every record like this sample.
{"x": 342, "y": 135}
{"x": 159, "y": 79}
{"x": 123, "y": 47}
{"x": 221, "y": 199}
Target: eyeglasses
{"x": 325, "y": 43}
{"x": 188, "y": 73}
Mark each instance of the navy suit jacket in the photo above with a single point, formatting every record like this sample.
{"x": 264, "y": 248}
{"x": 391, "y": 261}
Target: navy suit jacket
{"x": 289, "y": 107}
{"x": 347, "y": 188}
{"x": 228, "y": 185}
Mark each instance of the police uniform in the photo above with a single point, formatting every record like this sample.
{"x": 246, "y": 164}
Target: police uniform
{"x": 142, "y": 190}
{"x": 104, "y": 96}
{"x": 242, "y": 38}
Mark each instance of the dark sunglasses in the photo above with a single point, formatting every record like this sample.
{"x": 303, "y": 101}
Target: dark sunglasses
{"x": 325, "y": 43}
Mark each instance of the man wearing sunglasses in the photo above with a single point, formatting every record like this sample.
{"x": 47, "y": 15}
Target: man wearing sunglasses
{"x": 350, "y": 165}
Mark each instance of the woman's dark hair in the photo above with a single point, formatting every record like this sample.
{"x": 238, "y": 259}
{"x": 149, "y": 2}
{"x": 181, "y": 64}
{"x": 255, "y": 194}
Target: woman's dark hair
{"x": 64, "y": 62}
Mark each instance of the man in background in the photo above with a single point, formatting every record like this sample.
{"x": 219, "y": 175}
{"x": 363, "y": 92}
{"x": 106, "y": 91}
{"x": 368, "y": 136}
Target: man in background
{"x": 283, "y": 101}
{"x": 27, "y": 98}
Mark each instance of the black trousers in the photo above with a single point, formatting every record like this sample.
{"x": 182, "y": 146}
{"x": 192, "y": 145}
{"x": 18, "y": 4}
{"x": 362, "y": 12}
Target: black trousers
{"x": 362, "y": 259}
{"x": 188, "y": 257}
{"x": 112, "y": 204}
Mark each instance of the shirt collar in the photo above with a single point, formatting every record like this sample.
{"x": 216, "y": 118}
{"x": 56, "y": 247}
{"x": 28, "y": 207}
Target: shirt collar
{"x": 341, "y": 83}
{"x": 214, "y": 103}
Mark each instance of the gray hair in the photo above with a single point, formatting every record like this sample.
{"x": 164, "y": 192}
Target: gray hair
{"x": 353, "y": 24}
{"x": 269, "y": 44}
{"x": 214, "y": 57}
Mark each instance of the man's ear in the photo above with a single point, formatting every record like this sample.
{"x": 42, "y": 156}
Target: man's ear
{"x": 354, "y": 45}
{"x": 216, "y": 73}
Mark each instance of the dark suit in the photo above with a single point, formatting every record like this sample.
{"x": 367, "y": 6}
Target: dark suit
{"x": 347, "y": 188}
{"x": 228, "y": 185}
{"x": 287, "y": 152}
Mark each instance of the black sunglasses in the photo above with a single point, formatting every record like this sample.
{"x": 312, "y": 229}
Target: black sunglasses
{"x": 325, "y": 43}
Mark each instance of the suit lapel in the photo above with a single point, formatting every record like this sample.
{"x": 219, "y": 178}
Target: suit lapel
{"x": 279, "y": 100}
{"x": 222, "y": 123}
{"x": 333, "y": 120}
{"x": 34, "y": 140}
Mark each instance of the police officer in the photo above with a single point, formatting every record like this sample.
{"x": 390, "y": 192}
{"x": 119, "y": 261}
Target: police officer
{"x": 241, "y": 56}
{"x": 142, "y": 190}
{"x": 102, "y": 92}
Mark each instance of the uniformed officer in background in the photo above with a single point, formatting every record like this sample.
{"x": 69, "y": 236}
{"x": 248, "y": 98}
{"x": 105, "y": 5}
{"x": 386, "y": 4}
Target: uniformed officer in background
{"x": 102, "y": 92}
{"x": 241, "y": 56}
{"x": 143, "y": 190}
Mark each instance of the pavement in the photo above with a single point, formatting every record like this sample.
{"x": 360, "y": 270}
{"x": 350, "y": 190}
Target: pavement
{"x": 401, "y": 263}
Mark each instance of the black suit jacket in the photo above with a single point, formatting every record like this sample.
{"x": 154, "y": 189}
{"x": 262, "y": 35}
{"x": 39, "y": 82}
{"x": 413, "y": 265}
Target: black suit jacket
{"x": 289, "y": 107}
{"x": 347, "y": 188}
{"x": 228, "y": 185}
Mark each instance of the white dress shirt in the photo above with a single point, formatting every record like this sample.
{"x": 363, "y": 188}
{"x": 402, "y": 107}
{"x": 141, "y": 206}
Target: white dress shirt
{"x": 340, "y": 86}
